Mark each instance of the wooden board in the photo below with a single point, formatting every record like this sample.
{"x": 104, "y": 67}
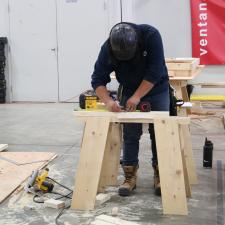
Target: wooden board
{"x": 183, "y": 73}
{"x": 186, "y": 146}
{"x": 177, "y": 76}
{"x": 11, "y": 175}
{"x": 90, "y": 163}
{"x": 3, "y": 147}
{"x": 109, "y": 220}
{"x": 186, "y": 178}
{"x": 128, "y": 117}
{"x": 211, "y": 85}
{"x": 181, "y": 64}
{"x": 110, "y": 167}
{"x": 170, "y": 167}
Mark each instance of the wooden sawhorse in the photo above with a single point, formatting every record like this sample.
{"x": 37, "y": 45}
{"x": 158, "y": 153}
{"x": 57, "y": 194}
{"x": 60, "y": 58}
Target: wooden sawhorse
{"x": 100, "y": 153}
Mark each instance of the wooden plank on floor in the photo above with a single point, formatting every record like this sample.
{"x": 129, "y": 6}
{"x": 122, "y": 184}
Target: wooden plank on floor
{"x": 170, "y": 166}
{"x": 3, "y": 147}
{"x": 90, "y": 163}
{"x": 110, "y": 220}
{"x": 12, "y": 175}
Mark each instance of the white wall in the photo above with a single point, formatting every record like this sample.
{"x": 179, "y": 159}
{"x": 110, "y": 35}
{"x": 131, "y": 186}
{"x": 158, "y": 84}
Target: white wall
{"x": 81, "y": 31}
{"x": 128, "y": 11}
{"x": 173, "y": 20}
{"x": 3, "y": 18}
{"x": 52, "y": 54}
{"x": 113, "y": 9}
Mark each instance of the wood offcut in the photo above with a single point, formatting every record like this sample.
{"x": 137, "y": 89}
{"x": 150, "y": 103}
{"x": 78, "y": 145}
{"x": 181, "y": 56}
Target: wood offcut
{"x": 3, "y": 147}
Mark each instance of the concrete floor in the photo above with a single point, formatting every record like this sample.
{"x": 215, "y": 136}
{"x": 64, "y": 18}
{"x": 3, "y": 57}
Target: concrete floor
{"x": 52, "y": 127}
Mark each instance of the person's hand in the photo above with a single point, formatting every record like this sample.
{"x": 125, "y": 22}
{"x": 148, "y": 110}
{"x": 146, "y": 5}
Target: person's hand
{"x": 113, "y": 106}
{"x": 132, "y": 103}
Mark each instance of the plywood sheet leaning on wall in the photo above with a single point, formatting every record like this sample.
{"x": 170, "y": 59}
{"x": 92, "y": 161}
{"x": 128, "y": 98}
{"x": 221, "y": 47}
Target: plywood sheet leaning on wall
{"x": 16, "y": 167}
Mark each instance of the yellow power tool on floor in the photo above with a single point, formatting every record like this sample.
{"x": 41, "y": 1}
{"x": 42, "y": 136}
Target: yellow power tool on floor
{"x": 38, "y": 181}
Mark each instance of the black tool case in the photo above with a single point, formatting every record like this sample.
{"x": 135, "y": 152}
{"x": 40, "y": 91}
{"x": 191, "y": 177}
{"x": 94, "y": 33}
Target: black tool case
{"x": 3, "y": 42}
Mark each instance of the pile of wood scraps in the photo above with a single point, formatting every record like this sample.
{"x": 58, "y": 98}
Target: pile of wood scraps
{"x": 16, "y": 167}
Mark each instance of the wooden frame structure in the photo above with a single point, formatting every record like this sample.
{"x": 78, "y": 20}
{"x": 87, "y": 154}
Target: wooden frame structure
{"x": 100, "y": 154}
{"x": 184, "y": 67}
{"x": 179, "y": 83}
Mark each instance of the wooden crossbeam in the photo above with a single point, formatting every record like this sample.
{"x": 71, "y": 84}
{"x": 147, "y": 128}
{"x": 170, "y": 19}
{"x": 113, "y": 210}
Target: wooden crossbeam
{"x": 211, "y": 85}
{"x": 129, "y": 117}
{"x": 182, "y": 63}
{"x": 174, "y": 75}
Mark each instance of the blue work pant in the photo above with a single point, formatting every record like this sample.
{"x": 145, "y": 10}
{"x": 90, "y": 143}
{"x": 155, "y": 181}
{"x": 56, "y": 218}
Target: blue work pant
{"x": 132, "y": 131}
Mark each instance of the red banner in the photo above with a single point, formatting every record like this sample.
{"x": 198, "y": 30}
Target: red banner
{"x": 208, "y": 31}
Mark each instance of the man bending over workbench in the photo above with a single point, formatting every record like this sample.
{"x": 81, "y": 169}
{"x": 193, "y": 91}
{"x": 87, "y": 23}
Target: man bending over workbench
{"x": 135, "y": 53}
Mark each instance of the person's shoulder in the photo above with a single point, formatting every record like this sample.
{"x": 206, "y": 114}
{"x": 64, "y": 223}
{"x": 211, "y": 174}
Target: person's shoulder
{"x": 104, "y": 50}
{"x": 147, "y": 29}
{"x": 105, "y": 45}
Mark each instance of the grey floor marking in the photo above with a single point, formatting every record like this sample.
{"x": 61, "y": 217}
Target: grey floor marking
{"x": 220, "y": 200}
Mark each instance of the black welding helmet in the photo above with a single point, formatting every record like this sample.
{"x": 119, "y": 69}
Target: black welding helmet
{"x": 123, "y": 41}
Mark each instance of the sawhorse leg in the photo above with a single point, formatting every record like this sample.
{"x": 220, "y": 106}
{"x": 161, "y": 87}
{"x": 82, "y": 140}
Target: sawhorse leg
{"x": 186, "y": 146}
{"x": 170, "y": 166}
{"x": 111, "y": 160}
{"x": 90, "y": 163}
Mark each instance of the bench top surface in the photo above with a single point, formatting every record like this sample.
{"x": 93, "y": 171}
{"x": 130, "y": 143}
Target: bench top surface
{"x": 129, "y": 117}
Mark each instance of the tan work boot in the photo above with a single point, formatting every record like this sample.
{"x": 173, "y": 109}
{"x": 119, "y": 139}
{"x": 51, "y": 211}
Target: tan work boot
{"x": 129, "y": 184}
{"x": 157, "y": 186}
